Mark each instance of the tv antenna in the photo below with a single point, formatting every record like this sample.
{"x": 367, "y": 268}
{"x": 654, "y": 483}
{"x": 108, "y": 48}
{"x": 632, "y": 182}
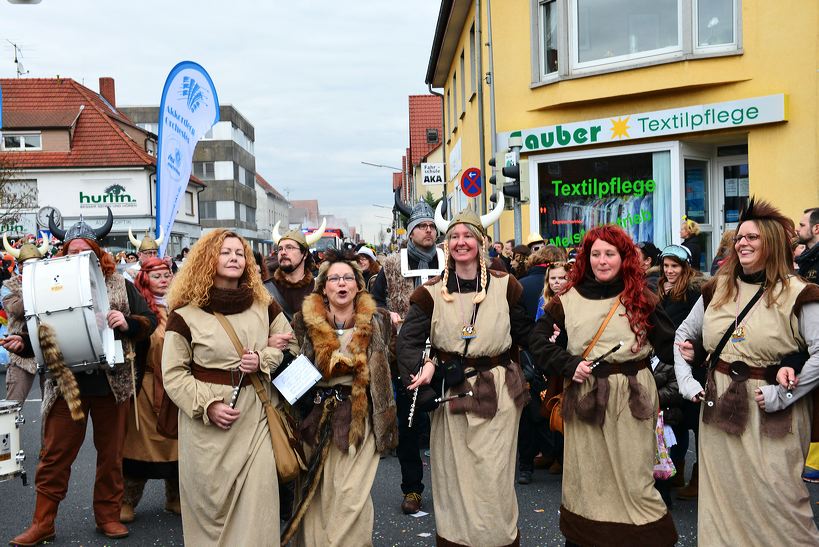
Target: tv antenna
{"x": 21, "y": 71}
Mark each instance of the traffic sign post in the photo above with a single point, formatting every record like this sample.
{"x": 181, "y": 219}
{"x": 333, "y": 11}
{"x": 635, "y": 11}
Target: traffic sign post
{"x": 471, "y": 184}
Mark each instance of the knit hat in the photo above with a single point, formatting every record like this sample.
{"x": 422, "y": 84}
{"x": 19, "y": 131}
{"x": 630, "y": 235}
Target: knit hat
{"x": 422, "y": 212}
{"x": 366, "y": 251}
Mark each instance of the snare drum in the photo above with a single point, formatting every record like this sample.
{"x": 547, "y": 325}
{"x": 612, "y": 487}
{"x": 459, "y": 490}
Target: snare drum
{"x": 11, "y": 457}
{"x": 69, "y": 295}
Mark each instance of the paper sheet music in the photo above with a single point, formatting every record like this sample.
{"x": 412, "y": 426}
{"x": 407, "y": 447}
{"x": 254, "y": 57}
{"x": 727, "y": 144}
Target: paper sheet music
{"x": 297, "y": 378}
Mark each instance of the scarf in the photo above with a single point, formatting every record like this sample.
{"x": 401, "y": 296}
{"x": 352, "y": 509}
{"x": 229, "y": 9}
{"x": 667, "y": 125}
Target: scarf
{"x": 423, "y": 256}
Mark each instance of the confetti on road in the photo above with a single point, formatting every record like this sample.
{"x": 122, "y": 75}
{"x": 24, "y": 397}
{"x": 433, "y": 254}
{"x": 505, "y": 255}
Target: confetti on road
{"x": 419, "y": 514}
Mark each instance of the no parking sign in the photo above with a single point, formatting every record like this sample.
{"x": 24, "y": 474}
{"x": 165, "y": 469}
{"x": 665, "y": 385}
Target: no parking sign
{"x": 471, "y": 182}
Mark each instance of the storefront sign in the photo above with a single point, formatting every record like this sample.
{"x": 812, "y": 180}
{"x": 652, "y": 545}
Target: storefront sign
{"x": 114, "y": 196}
{"x": 675, "y": 121}
{"x": 432, "y": 173}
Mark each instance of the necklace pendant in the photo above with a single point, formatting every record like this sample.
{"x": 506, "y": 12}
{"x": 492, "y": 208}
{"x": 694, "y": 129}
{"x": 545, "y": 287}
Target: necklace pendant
{"x": 738, "y": 335}
{"x": 468, "y": 332}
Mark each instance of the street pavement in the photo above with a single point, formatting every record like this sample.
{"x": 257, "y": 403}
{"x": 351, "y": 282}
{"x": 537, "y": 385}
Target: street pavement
{"x": 537, "y": 502}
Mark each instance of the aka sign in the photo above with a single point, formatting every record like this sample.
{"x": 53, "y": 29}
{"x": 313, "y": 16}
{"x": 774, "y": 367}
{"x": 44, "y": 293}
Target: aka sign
{"x": 432, "y": 173}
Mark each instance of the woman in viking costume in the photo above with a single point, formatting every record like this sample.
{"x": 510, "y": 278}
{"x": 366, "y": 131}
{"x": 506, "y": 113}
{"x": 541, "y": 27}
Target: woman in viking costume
{"x": 227, "y": 472}
{"x": 68, "y": 400}
{"x": 472, "y": 317}
{"x": 350, "y": 416}
{"x": 147, "y": 454}
{"x": 609, "y": 323}
{"x": 759, "y": 324}
{"x": 21, "y": 371}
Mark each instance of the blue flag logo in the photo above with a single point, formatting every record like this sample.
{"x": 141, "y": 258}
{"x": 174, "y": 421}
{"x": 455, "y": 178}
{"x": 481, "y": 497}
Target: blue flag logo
{"x": 194, "y": 94}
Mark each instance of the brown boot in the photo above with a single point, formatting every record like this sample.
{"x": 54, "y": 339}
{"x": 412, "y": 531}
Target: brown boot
{"x": 678, "y": 480}
{"x": 42, "y": 525}
{"x": 690, "y": 491}
{"x": 172, "y": 504}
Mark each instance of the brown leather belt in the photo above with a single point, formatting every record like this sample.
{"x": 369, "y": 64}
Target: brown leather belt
{"x": 218, "y": 376}
{"x": 629, "y": 368}
{"x": 739, "y": 371}
{"x": 478, "y": 363}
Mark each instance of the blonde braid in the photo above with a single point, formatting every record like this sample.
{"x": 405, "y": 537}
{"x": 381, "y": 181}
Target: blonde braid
{"x": 444, "y": 291}
{"x": 481, "y": 295}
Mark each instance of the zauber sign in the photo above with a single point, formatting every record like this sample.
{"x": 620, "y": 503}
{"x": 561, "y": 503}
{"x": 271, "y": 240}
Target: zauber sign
{"x": 432, "y": 173}
{"x": 628, "y": 127}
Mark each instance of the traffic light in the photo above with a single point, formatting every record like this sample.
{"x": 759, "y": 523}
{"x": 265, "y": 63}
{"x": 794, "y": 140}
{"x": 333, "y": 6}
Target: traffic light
{"x": 519, "y": 189}
{"x": 499, "y": 159}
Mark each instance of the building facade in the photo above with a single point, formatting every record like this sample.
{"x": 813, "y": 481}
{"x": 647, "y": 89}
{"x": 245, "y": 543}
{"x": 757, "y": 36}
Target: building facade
{"x": 638, "y": 113}
{"x": 272, "y": 207}
{"x": 69, "y": 148}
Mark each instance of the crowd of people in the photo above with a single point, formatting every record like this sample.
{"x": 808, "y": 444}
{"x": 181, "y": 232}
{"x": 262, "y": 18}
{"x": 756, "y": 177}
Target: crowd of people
{"x": 496, "y": 356}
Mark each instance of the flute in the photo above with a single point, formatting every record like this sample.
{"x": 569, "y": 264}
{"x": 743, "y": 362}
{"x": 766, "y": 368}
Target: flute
{"x": 235, "y": 396}
{"x": 602, "y": 358}
{"x": 440, "y": 400}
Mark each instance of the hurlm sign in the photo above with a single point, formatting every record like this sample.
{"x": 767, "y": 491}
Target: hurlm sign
{"x": 432, "y": 173}
{"x": 674, "y": 121}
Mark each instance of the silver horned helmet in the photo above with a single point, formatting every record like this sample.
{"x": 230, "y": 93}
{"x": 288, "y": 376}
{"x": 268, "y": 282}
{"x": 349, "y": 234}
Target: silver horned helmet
{"x": 81, "y": 230}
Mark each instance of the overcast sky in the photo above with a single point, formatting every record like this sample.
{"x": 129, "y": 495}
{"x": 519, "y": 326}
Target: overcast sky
{"x": 324, "y": 83}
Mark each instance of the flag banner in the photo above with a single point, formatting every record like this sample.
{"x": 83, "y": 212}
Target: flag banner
{"x": 189, "y": 108}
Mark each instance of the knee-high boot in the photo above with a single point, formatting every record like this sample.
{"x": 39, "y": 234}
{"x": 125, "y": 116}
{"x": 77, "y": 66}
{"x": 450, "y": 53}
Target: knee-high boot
{"x": 172, "y": 503}
{"x": 130, "y": 498}
{"x": 42, "y": 525}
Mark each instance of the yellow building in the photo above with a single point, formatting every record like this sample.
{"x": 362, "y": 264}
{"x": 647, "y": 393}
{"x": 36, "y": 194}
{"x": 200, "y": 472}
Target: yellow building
{"x": 636, "y": 111}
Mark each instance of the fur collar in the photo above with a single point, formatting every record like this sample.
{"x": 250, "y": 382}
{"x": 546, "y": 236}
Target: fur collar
{"x": 332, "y": 362}
{"x": 281, "y": 280}
{"x": 229, "y": 301}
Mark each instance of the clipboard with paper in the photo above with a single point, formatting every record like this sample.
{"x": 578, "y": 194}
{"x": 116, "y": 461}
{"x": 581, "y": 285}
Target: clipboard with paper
{"x": 299, "y": 376}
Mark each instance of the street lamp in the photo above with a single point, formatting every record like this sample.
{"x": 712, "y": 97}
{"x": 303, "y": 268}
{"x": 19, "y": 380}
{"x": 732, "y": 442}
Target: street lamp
{"x": 384, "y": 166}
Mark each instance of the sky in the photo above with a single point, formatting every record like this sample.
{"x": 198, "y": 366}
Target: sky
{"x": 324, "y": 83}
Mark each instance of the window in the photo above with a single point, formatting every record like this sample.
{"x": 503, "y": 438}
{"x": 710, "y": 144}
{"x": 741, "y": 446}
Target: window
{"x": 150, "y": 127}
{"x": 250, "y": 178}
{"x": 207, "y": 210}
{"x": 432, "y": 135}
{"x": 203, "y": 170}
{"x": 473, "y": 60}
{"x": 463, "y": 86}
{"x": 225, "y": 210}
{"x": 449, "y": 111}
{"x": 592, "y": 36}
{"x": 455, "y": 100}
{"x": 241, "y": 174}
{"x": 547, "y": 14}
{"x": 22, "y": 141}
{"x": 189, "y": 204}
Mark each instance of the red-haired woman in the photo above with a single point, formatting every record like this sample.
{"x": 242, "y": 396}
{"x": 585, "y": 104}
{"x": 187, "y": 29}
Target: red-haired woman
{"x": 609, "y": 410}
{"x": 147, "y": 454}
{"x": 102, "y": 394}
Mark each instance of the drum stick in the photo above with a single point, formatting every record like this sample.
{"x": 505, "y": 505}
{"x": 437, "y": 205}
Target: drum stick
{"x": 440, "y": 400}
{"x": 603, "y": 357}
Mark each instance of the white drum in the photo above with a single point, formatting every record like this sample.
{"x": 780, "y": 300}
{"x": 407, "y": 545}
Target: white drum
{"x": 69, "y": 295}
{"x": 11, "y": 457}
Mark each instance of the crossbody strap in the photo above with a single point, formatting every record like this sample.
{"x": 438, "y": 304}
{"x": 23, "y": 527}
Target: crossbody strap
{"x": 257, "y": 384}
{"x": 718, "y": 350}
{"x": 597, "y": 336}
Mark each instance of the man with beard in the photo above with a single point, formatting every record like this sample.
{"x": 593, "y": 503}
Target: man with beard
{"x": 147, "y": 248}
{"x": 293, "y": 279}
{"x": 808, "y": 234}
{"x": 401, "y": 274}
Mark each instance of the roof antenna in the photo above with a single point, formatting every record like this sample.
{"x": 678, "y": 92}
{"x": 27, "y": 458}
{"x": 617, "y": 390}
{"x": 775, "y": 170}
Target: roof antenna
{"x": 21, "y": 71}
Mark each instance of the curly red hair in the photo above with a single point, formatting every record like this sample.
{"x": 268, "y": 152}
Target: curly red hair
{"x": 107, "y": 263}
{"x": 634, "y": 297}
{"x": 142, "y": 283}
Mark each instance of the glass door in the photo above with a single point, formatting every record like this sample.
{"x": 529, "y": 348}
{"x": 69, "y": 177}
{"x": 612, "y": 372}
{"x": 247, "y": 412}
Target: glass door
{"x": 698, "y": 204}
{"x": 732, "y": 181}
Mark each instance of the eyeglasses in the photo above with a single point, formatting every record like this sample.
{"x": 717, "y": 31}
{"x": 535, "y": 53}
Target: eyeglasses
{"x": 288, "y": 248}
{"x": 426, "y": 226}
{"x": 337, "y": 279}
{"x": 750, "y": 237}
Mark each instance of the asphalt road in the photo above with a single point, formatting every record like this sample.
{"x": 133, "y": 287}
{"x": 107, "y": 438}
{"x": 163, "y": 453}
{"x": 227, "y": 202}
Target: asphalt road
{"x": 538, "y": 503}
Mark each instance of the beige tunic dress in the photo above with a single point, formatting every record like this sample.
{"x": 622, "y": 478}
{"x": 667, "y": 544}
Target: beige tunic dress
{"x": 751, "y": 490}
{"x": 341, "y": 512}
{"x": 608, "y": 481}
{"x": 472, "y": 459}
{"x": 227, "y": 478}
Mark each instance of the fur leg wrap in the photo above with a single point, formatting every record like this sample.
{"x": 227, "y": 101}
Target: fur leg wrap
{"x": 66, "y": 382}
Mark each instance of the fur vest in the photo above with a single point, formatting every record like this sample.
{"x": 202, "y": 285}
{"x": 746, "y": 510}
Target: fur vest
{"x": 399, "y": 288}
{"x": 13, "y": 304}
{"x": 366, "y": 360}
{"x": 119, "y": 378}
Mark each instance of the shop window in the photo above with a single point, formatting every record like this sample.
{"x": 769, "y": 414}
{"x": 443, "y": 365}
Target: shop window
{"x": 697, "y": 198}
{"x": 736, "y": 190}
{"x": 629, "y": 190}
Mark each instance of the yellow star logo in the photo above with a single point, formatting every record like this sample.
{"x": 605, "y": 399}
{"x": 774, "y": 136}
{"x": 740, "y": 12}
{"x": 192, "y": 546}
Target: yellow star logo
{"x": 619, "y": 128}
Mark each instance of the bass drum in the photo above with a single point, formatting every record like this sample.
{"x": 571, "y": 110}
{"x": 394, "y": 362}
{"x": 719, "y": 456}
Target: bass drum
{"x": 69, "y": 295}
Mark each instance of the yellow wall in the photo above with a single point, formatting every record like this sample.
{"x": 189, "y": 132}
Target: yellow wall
{"x": 779, "y": 55}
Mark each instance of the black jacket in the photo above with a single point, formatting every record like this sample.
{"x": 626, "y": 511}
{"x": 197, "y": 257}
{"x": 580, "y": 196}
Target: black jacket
{"x": 808, "y": 264}
{"x": 533, "y": 283}
{"x": 693, "y": 245}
